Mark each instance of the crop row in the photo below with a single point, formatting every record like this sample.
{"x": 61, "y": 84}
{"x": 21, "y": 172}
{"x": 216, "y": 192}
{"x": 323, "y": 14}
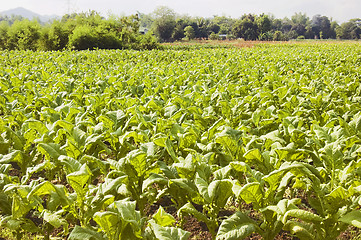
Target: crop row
{"x": 91, "y": 141}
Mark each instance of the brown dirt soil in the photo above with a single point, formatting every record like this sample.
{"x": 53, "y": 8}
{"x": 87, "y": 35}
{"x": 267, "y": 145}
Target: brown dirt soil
{"x": 239, "y": 43}
{"x": 350, "y": 234}
{"x": 166, "y": 203}
{"x": 197, "y": 229}
{"x": 230, "y": 43}
{"x": 15, "y": 170}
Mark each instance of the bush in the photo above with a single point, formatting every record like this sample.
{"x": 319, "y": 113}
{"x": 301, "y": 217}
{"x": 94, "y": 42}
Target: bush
{"x": 54, "y": 37}
{"x": 279, "y": 36}
{"x": 4, "y": 28}
{"x": 213, "y": 36}
{"x": 23, "y": 35}
{"x": 189, "y": 32}
{"x": 148, "y": 41}
{"x": 267, "y": 36}
{"x": 82, "y": 38}
{"x": 76, "y": 31}
{"x": 231, "y": 37}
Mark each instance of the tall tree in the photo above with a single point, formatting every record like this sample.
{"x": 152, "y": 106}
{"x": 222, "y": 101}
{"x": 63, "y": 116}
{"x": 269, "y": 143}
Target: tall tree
{"x": 300, "y": 22}
{"x": 225, "y": 24}
{"x": 350, "y": 29}
{"x": 246, "y": 28}
{"x": 264, "y": 23}
{"x": 164, "y": 23}
{"x": 300, "y": 18}
{"x": 189, "y": 32}
{"x": 321, "y": 26}
{"x": 203, "y": 24}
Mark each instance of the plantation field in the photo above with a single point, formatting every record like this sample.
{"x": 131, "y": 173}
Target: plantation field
{"x": 203, "y": 143}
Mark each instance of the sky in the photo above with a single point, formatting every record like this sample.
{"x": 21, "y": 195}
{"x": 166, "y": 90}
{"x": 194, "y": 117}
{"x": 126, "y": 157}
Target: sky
{"x": 339, "y": 10}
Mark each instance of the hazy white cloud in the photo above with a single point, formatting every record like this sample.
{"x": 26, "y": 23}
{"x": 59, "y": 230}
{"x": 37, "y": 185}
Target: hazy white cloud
{"x": 341, "y": 10}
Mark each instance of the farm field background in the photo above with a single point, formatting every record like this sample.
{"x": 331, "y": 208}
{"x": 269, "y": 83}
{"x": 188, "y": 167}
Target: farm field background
{"x": 198, "y": 143}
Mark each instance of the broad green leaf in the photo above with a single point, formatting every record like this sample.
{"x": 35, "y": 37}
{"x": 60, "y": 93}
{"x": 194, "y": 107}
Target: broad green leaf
{"x": 57, "y": 193}
{"x": 219, "y": 191}
{"x": 168, "y": 171}
{"x": 169, "y": 233}
{"x": 154, "y": 179}
{"x": 237, "y": 226}
{"x": 187, "y": 140}
{"x": 80, "y": 233}
{"x": 190, "y": 209}
{"x": 202, "y": 187}
{"x": 302, "y": 215}
{"x": 5, "y": 204}
{"x": 186, "y": 167}
{"x": 130, "y": 217}
{"x": 229, "y": 138}
{"x": 4, "y": 147}
{"x": 149, "y": 148}
{"x": 15, "y": 156}
{"x": 160, "y": 140}
{"x": 96, "y": 162}
{"x": 184, "y": 185}
{"x": 222, "y": 173}
{"x": 139, "y": 161}
{"x": 78, "y": 180}
{"x": 20, "y": 207}
{"x": 253, "y": 154}
{"x": 64, "y": 124}
{"x": 337, "y": 198}
{"x": 54, "y": 219}
{"x": 18, "y": 141}
{"x": 284, "y": 206}
{"x": 163, "y": 218}
{"x": 109, "y": 222}
{"x": 127, "y": 210}
{"x": 301, "y": 230}
{"x": 252, "y": 193}
{"x": 212, "y": 130}
{"x": 79, "y": 137}
{"x": 51, "y": 150}
{"x": 44, "y": 188}
{"x": 36, "y": 125}
{"x": 20, "y": 224}
{"x": 353, "y": 218}
{"x": 111, "y": 185}
{"x": 170, "y": 150}
{"x": 70, "y": 163}
{"x": 256, "y": 116}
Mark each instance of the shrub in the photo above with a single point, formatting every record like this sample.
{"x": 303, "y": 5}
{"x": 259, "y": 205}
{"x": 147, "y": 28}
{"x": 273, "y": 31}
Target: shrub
{"x": 23, "y": 35}
{"x": 54, "y": 37}
{"x": 213, "y": 36}
{"x": 4, "y": 28}
{"x": 83, "y": 37}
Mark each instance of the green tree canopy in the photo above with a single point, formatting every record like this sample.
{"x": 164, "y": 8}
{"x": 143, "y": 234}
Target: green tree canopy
{"x": 189, "y": 32}
{"x": 164, "y": 23}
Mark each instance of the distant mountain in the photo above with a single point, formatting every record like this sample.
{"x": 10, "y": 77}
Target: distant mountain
{"x": 25, "y": 13}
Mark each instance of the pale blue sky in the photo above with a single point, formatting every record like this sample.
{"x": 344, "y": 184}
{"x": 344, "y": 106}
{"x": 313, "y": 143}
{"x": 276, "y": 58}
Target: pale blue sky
{"x": 340, "y": 10}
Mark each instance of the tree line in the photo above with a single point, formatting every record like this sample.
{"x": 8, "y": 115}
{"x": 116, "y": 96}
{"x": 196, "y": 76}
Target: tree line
{"x": 78, "y": 31}
{"x": 169, "y": 26}
{"x": 89, "y": 30}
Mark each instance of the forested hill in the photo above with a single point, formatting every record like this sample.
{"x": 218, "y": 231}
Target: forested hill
{"x": 21, "y": 13}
